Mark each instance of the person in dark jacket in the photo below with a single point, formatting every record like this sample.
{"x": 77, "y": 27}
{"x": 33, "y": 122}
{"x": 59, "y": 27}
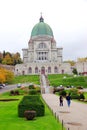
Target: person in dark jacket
{"x": 68, "y": 98}
{"x": 61, "y": 100}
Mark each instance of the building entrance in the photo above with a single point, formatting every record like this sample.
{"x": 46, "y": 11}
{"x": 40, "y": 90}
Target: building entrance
{"x": 43, "y": 70}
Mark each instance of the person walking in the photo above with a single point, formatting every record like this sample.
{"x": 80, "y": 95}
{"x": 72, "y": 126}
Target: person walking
{"x": 68, "y": 98}
{"x": 61, "y": 100}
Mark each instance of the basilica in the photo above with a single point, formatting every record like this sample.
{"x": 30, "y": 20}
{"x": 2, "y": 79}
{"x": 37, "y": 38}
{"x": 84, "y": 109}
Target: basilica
{"x": 42, "y": 55}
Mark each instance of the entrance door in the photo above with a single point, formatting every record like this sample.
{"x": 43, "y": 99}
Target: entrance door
{"x": 43, "y": 70}
{"x": 23, "y": 72}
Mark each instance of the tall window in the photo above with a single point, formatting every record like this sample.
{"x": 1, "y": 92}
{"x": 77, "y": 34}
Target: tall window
{"x": 30, "y": 70}
{"x": 42, "y": 55}
{"x": 42, "y": 45}
{"x": 55, "y": 69}
{"x": 36, "y": 69}
{"x": 49, "y": 69}
{"x": 42, "y": 52}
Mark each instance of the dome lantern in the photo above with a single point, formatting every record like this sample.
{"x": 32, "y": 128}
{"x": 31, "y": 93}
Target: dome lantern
{"x": 41, "y": 19}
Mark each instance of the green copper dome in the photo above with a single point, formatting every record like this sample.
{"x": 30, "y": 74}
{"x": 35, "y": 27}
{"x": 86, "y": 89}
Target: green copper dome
{"x": 41, "y": 28}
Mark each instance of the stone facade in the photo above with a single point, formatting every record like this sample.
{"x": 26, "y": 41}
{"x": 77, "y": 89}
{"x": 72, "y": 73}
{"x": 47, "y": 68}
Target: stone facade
{"x": 8, "y": 67}
{"x": 81, "y": 67}
{"x": 42, "y": 55}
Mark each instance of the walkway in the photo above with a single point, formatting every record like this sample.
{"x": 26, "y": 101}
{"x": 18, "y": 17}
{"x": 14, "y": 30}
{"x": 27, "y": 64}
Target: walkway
{"x": 44, "y": 86}
{"x": 73, "y": 117}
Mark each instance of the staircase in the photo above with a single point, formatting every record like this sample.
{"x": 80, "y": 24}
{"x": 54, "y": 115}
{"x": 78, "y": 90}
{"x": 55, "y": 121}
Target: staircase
{"x": 45, "y": 88}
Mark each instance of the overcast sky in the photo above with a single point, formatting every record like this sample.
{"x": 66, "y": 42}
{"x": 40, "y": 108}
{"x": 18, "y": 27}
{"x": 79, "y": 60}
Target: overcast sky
{"x": 67, "y": 18}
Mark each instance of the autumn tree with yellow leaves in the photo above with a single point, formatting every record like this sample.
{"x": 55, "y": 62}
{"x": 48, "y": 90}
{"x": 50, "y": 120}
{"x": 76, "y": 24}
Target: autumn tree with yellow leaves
{"x": 6, "y": 76}
{"x": 82, "y": 59}
{"x": 8, "y": 58}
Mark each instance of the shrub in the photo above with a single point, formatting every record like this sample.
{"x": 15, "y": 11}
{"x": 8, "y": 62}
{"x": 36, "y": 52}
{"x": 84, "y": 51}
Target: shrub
{"x": 63, "y": 93}
{"x": 74, "y": 94}
{"x": 38, "y": 89}
{"x": 32, "y": 91}
{"x": 32, "y": 102}
{"x": 31, "y": 86}
{"x": 81, "y": 96}
{"x": 12, "y": 92}
{"x": 79, "y": 87}
{"x": 16, "y": 92}
{"x": 58, "y": 89}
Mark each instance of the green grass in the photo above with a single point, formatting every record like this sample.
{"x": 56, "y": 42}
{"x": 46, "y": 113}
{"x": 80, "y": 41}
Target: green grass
{"x": 26, "y": 78}
{"x": 85, "y": 94}
{"x": 58, "y": 79}
{"x": 9, "y": 119}
{"x": 55, "y": 80}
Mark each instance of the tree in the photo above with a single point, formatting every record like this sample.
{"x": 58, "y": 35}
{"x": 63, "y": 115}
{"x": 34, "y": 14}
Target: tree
{"x": 6, "y": 76}
{"x": 82, "y": 59}
{"x": 2, "y": 75}
{"x": 9, "y": 76}
{"x": 75, "y": 71}
{"x": 7, "y": 60}
{"x": 72, "y": 63}
{"x": 16, "y": 59}
{"x": 3, "y": 54}
{"x": 1, "y": 57}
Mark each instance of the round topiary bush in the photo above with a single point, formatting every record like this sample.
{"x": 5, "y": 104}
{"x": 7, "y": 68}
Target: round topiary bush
{"x": 30, "y": 114}
{"x": 12, "y": 92}
{"x": 16, "y": 92}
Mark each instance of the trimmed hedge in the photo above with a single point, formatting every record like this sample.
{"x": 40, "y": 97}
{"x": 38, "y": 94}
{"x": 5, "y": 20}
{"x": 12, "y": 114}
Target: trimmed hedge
{"x": 32, "y": 102}
{"x": 33, "y": 91}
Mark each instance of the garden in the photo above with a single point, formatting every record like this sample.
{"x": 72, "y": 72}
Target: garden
{"x": 10, "y": 116}
{"x": 9, "y": 102}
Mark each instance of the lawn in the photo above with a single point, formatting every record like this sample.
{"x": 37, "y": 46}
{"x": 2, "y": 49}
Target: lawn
{"x": 54, "y": 79}
{"x": 66, "y": 80}
{"x": 9, "y": 119}
{"x": 26, "y": 78}
{"x": 85, "y": 94}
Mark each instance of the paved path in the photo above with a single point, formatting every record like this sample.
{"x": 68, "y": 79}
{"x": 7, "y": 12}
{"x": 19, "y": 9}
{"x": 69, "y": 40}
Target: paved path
{"x": 8, "y": 88}
{"x": 74, "y": 117}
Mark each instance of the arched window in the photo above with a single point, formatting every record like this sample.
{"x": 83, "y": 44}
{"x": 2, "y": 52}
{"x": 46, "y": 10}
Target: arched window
{"x": 45, "y": 58}
{"x": 49, "y": 69}
{"x": 39, "y": 58}
{"x": 55, "y": 69}
{"x": 36, "y": 69}
{"x": 23, "y": 72}
{"x": 30, "y": 70}
{"x": 62, "y": 71}
{"x": 17, "y": 71}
